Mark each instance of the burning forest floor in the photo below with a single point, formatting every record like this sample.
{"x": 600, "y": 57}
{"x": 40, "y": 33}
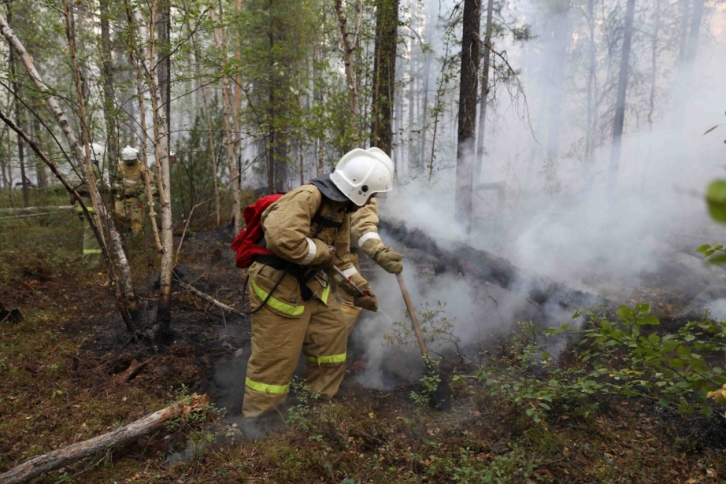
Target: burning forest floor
{"x": 70, "y": 372}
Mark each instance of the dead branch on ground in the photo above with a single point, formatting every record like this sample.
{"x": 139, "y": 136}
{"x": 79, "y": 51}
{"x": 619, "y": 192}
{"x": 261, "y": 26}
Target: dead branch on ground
{"x": 65, "y": 456}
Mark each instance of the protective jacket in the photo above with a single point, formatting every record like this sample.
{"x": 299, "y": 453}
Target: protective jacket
{"x": 291, "y": 235}
{"x": 129, "y": 188}
{"x": 290, "y": 296}
{"x": 130, "y": 179}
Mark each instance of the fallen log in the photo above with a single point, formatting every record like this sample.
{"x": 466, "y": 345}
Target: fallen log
{"x": 483, "y": 265}
{"x": 59, "y": 458}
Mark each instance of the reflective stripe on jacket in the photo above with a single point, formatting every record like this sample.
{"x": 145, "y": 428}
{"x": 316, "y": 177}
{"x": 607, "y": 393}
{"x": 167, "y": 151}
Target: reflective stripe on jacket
{"x": 291, "y": 235}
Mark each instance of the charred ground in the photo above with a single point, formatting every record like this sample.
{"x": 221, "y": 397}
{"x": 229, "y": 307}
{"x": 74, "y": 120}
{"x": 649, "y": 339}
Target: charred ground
{"x": 70, "y": 371}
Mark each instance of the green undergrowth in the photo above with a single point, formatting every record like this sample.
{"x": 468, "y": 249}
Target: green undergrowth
{"x": 625, "y": 356}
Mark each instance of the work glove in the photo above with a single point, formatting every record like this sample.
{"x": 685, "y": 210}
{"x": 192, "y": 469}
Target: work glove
{"x": 368, "y": 302}
{"x": 389, "y": 260}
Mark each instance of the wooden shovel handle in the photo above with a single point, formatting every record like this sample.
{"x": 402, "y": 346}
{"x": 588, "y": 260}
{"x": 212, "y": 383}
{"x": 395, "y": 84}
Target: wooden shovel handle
{"x": 412, "y": 314}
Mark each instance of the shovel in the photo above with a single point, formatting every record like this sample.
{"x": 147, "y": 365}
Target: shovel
{"x": 440, "y": 399}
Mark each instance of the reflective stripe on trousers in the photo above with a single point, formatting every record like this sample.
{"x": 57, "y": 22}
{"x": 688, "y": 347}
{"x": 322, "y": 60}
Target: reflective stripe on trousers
{"x": 321, "y": 360}
{"x": 265, "y": 388}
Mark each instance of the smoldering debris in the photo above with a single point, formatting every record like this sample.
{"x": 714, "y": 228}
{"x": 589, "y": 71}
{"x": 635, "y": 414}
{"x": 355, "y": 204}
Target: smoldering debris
{"x": 485, "y": 266}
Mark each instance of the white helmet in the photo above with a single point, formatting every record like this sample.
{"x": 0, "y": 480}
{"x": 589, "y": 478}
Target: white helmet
{"x": 97, "y": 152}
{"x": 381, "y": 155}
{"x": 129, "y": 154}
{"x": 361, "y": 173}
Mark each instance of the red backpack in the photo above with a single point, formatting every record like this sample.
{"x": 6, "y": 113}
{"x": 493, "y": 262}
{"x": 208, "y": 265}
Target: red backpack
{"x": 245, "y": 244}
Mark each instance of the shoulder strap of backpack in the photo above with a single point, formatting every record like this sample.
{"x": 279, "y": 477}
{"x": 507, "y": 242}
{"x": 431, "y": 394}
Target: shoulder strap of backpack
{"x": 323, "y": 222}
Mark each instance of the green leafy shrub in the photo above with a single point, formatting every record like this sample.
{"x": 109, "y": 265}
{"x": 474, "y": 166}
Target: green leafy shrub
{"x": 625, "y": 357}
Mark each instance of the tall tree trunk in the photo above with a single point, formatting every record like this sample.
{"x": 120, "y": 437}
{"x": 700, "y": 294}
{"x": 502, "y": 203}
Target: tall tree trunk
{"x": 696, "y": 20}
{"x": 412, "y": 159}
{"x": 465, "y": 148}
{"x": 109, "y": 110}
{"x": 397, "y": 150}
{"x": 17, "y": 91}
{"x": 685, "y": 14}
{"x": 129, "y": 310}
{"x": 163, "y": 60}
{"x": 653, "y": 65}
{"x": 41, "y": 175}
{"x": 272, "y": 133}
{"x": 620, "y": 101}
{"x": 480, "y": 147}
{"x": 424, "y": 114}
{"x": 348, "y": 43}
{"x": 384, "y": 74}
{"x": 318, "y": 99}
{"x": 590, "y": 78}
{"x": 653, "y": 79}
{"x": 4, "y": 161}
{"x": 137, "y": 53}
{"x": 161, "y": 153}
{"x": 227, "y": 123}
{"x": 210, "y": 127}
{"x": 560, "y": 38}
{"x": 281, "y": 164}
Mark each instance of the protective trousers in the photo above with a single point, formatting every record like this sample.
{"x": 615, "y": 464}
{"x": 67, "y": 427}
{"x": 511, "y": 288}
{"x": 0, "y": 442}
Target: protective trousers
{"x": 92, "y": 254}
{"x": 320, "y": 333}
{"x": 130, "y": 213}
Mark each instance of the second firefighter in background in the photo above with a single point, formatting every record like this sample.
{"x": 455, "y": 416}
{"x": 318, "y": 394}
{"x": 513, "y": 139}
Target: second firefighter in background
{"x": 128, "y": 189}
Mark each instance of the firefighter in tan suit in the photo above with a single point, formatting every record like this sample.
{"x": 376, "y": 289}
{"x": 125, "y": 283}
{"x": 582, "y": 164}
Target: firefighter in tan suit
{"x": 307, "y": 231}
{"x": 129, "y": 190}
{"x": 364, "y": 237}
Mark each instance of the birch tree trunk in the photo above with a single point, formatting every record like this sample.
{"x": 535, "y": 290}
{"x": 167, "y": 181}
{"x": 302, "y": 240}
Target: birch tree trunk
{"x": 134, "y": 57}
{"x": 127, "y": 301}
{"x": 161, "y": 153}
{"x": 465, "y": 149}
{"x": 347, "y": 46}
{"x": 130, "y": 309}
{"x": 620, "y": 101}
{"x": 480, "y": 150}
